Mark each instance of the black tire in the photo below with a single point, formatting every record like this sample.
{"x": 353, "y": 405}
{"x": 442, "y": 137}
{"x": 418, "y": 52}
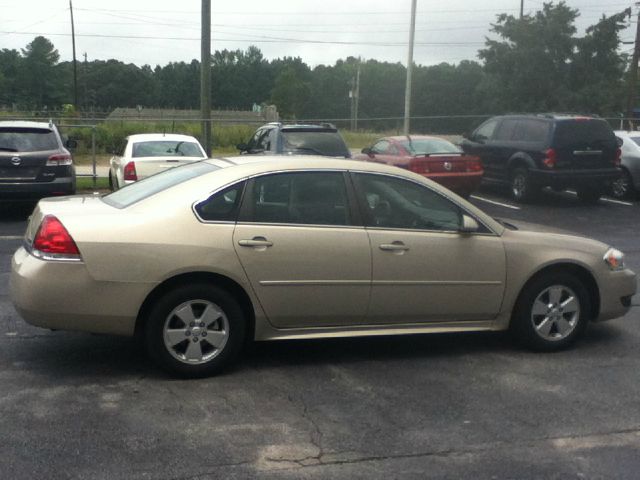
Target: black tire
{"x": 589, "y": 195}
{"x": 520, "y": 185}
{"x": 623, "y": 188}
{"x": 533, "y": 309}
{"x": 228, "y": 329}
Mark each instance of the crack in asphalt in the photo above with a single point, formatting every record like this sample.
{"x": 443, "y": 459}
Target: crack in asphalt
{"x": 452, "y": 451}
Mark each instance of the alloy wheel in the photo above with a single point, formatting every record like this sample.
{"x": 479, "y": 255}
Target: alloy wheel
{"x": 555, "y": 312}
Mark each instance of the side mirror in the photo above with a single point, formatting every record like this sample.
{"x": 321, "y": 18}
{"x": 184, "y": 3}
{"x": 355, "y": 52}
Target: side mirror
{"x": 243, "y": 147}
{"x": 367, "y": 151}
{"x": 466, "y": 135}
{"x": 469, "y": 225}
{"x": 71, "y": 144}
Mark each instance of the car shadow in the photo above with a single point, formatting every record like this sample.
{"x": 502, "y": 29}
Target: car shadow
{"x": 76, "y": 356}
{"x": 546, "y": 198}
{"x": 15, "y": 211}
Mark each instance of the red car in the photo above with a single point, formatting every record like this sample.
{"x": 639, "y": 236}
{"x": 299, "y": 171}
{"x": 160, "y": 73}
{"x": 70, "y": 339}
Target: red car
{"x": 432, "y": 157}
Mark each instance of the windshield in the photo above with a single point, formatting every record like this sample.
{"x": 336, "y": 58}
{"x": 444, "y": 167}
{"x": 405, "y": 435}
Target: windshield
{"x": 425, "y": 146}
{"x": 149, "y": 186}
{"x": 318, "y": 142}
{"x": 166, "y": 148}
{"x": 27, "y": 140}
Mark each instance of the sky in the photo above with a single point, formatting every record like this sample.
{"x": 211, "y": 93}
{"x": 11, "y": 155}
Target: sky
{"x": 319, "y": 31}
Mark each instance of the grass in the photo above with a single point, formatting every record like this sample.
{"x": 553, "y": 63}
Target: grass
{"x": 85, "y": 184}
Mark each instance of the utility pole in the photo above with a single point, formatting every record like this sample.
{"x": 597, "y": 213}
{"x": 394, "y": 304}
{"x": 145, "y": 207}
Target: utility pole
{"x": 205, "y": 76}
{"x": 75, "y": 64}
{"x": 357, "y": 100}
{"x": 352, "y": 103}
{"x": 633, "y": 75}
{"x": 521, "y": 9}
{"x": 407, "y": 91}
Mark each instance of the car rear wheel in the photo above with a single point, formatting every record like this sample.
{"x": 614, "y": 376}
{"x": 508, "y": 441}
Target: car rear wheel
{"x": 551, "y": 313}
{"x": 195, "y": 330}
{"x": 623, "y": 187}
{"x": 522, "y": 189}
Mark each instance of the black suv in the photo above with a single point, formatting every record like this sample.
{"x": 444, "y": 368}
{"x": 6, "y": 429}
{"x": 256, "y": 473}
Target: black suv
{"x": 300, "y": 139}
{"x": 529, "y": 152}
{"x": 34, "y": 162}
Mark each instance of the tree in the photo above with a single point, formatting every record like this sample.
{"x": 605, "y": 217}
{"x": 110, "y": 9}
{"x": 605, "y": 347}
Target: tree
{"x": 290, "y": 93}
{"x": 541, "y": 65}
{"x": 37, "y": 76}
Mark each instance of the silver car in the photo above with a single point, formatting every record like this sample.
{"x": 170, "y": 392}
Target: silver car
{"x": 200, "y": 258}
{"x": 628, "y": 185}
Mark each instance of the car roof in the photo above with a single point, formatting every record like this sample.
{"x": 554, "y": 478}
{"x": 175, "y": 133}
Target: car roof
{"x": 401, "y": 138}
{"x": 552, "y": 116}
{"x": 25, "y": 124}
{"x": 146, "y": 137}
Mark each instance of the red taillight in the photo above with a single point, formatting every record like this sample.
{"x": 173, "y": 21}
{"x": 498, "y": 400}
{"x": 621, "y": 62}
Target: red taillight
{"x": 550, "y": 158}
{"x": 130, "y": 172}
{"x": 59, "y": 159}
{"x": 474, "y": 165}
{"x": 618, "y": 160}
{"x": 53, "y": 238}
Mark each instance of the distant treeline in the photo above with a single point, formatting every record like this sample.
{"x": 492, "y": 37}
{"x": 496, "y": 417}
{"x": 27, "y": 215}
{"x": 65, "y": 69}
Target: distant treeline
{"x": 534, "y": 64}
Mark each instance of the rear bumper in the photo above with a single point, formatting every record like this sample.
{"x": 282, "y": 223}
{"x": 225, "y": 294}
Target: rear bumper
{"x": 46, "y": 294}
{"x": 575, "y": 178}
{"x": 37, "y": 190}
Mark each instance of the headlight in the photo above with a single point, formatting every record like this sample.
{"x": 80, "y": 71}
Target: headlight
{"x": 614, "y": 259}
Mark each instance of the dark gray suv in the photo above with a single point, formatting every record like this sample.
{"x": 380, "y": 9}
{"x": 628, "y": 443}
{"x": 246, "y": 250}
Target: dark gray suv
{"x": 306, "y": 139}
{"x": 34, "y": 162}
{"x": 529, "y": 152}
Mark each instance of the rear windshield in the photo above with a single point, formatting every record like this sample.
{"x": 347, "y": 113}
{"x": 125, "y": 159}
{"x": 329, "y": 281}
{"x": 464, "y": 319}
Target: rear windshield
{"x": 27, "y": 140}
{"x": 584, "y": 132}
{"x": 149, "y": 186}
{"x": 166, "y": 148}
{"x": 425, "y": 146}
{"x": 317, "y": 142}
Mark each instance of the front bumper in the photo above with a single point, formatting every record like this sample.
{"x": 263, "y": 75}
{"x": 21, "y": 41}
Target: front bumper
{"x": 63, "y": 296}
{"x": 615, "y": 294}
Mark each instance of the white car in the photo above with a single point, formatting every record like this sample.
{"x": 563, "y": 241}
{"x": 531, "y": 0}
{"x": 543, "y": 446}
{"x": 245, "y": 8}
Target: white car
{"x": 146, "y": 154}
{"x": 628, "y": 185}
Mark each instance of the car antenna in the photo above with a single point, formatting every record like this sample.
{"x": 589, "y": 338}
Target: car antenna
{"x": 410, "y": 142}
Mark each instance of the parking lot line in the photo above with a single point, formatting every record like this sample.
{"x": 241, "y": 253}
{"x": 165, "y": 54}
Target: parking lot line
{"x": 506, "y": 205}
{"x": 11, "y": 237}
{"x": 610, "y": 200}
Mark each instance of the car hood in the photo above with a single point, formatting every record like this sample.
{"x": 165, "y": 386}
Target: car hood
{"x": 519, "y": 225}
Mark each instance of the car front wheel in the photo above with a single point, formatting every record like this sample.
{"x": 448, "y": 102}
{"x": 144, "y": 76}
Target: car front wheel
{"x": 195, "y": 330}
{"x": 551, "y": 313}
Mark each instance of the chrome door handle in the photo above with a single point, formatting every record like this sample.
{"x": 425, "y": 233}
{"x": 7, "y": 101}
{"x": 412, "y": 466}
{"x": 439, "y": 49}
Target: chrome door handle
{"x": 255, "y": 242}
{"x": 396, "y": 246}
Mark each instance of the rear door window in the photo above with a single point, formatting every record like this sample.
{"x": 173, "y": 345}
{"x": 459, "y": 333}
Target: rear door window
{"x": 27, "y": 140}
{"x": 315, "y": 198}
{"x": 221, "y": 206}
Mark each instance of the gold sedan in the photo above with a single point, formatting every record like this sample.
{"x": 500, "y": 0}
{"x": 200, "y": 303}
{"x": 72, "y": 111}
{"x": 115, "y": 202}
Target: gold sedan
{"x": 200, "y": 258}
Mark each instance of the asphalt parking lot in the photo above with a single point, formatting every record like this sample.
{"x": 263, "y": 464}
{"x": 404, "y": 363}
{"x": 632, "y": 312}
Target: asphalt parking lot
{"x": 432, "y": 406}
